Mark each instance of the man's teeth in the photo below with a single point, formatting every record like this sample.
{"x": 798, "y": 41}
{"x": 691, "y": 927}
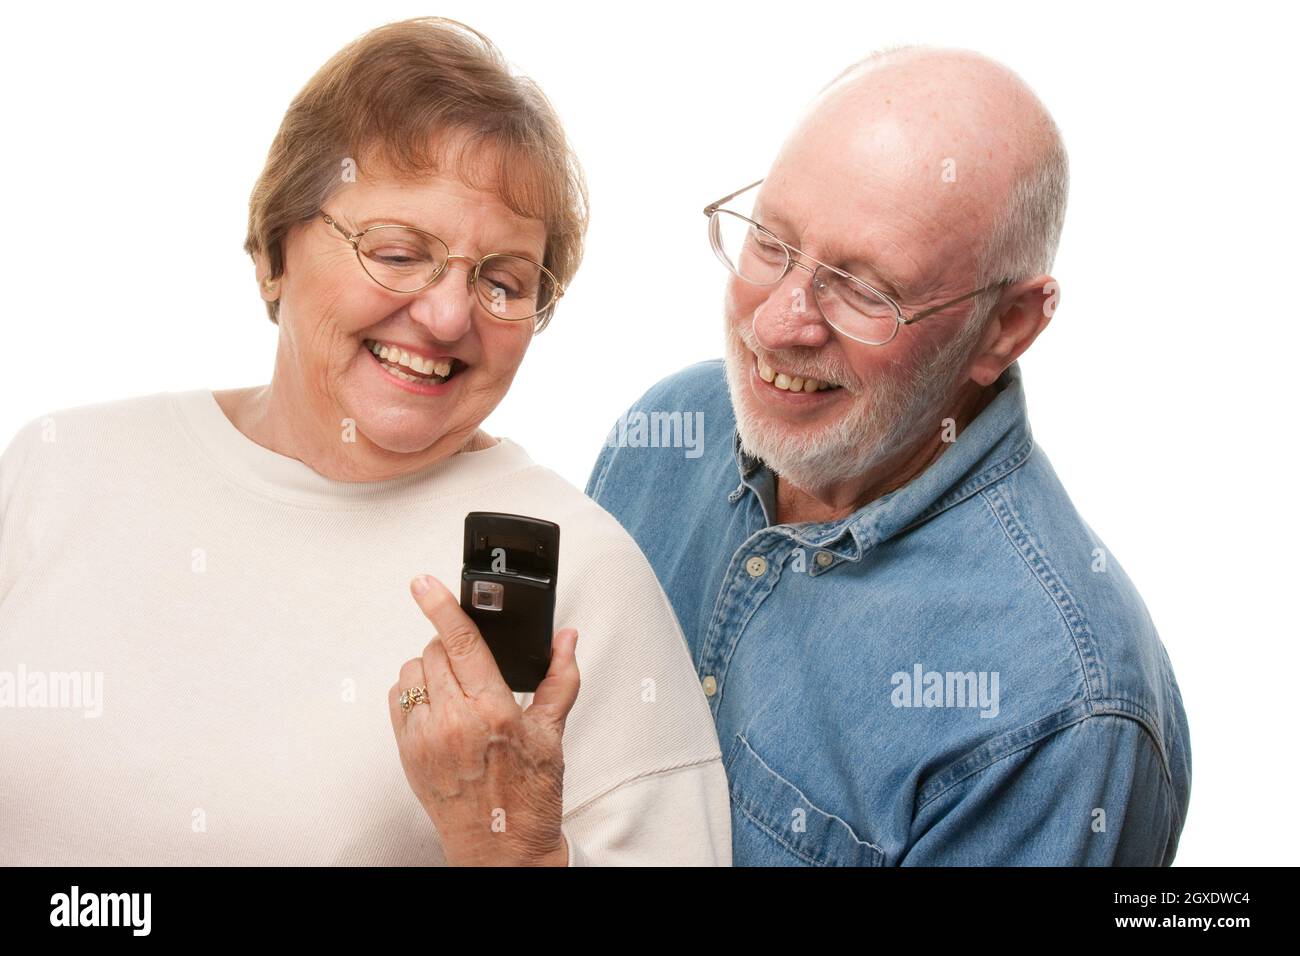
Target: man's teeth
{"x": 791, "y": 383}
{"x": 424, "y": 367}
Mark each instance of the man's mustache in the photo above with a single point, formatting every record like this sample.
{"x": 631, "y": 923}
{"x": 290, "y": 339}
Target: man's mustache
{"x": 794, "y": 364}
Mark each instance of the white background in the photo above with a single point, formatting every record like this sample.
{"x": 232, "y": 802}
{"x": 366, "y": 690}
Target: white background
{"x": 1161, "y": 390}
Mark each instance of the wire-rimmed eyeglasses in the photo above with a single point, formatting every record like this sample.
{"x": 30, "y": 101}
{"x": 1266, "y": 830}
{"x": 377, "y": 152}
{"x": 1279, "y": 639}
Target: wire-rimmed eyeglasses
{"x": 848, "y": 304}
{"x": 405, "y": 259}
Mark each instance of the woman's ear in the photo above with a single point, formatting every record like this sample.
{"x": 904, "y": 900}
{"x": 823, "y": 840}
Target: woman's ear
{"x": 268, "y": 288}
{"x": 1022, "y": 312}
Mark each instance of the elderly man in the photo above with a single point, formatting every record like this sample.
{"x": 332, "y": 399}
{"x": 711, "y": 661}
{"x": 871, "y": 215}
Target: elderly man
{"x": 915, "y": 649}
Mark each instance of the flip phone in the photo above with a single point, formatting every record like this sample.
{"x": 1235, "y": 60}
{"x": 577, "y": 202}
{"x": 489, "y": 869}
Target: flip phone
{"x": 507, "y": 586}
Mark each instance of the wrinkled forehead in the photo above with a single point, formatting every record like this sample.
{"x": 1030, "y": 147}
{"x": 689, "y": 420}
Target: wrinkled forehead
{"x": 452, "y": 202}
{"x": 878, "y": 176}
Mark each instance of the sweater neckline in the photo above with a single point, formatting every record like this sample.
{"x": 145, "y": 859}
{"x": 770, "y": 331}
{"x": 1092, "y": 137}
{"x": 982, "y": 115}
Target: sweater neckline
{"x": 260, "y": 469}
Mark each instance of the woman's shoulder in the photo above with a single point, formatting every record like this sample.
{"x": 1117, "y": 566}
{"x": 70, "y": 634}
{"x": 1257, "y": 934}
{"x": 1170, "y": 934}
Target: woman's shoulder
{"x": 93, "y": 418}
{"x": 61, "y": 440}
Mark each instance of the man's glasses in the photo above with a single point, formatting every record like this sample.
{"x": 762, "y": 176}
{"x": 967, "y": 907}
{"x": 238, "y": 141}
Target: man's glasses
{"x": 849, "y": 305}
{"x": 404, "y": 259}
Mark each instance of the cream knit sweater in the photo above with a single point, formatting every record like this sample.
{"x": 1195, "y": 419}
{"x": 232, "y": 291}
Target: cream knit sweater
{"x": 198, "y": 635}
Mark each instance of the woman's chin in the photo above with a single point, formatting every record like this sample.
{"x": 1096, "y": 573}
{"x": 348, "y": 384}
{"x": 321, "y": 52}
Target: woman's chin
{"x": 390, "y": 428}
{"x": 393, "y": 435}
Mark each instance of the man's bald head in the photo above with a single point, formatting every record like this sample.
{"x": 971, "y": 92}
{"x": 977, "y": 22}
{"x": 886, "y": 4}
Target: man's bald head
{"x": 964, "y": 139}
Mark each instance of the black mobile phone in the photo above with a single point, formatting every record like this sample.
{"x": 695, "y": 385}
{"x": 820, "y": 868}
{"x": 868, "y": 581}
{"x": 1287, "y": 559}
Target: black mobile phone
{"x": 507, "y": 586}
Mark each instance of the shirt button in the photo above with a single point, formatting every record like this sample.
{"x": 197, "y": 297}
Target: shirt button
{"x": 756, "y": 566}
{"x": 710, "y": 685}
{"x": 824, "y": 559}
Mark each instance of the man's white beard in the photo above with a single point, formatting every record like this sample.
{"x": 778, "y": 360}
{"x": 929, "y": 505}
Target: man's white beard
{"x": 880, "y": 423}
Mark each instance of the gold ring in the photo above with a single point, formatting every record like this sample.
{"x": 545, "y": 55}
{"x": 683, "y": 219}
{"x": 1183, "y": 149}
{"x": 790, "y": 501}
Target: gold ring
{"x": 413, "y": 696}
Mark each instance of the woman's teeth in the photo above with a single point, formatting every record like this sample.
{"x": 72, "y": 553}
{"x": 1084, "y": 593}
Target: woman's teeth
{"x": 791, "y": 383}
{"x": 426, "y": 370}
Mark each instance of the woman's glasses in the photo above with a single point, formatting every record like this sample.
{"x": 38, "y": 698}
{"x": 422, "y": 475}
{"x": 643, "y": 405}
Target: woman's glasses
{"x": 404, "y": 259}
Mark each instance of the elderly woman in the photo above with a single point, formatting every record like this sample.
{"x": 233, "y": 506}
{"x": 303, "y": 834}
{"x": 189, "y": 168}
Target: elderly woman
{"x": 204, "y": 606}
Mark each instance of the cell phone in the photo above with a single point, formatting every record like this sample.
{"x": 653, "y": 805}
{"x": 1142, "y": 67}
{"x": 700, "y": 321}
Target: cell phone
{"x": 507, "y": 586}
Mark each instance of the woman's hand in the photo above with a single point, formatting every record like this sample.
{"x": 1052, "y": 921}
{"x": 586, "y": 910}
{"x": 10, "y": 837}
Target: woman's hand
{"x": 489, "y": 774}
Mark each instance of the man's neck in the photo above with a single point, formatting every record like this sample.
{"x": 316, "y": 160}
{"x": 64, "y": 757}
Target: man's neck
{"x": 838, "y": 500}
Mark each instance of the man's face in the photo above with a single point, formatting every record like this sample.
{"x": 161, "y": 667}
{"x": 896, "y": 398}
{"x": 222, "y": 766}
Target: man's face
{"x": 870, "y": 197}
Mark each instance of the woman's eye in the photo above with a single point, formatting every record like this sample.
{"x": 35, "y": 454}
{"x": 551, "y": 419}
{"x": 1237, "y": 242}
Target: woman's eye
{"x": 399, "y": 257}
{"x": 508, "y": 285}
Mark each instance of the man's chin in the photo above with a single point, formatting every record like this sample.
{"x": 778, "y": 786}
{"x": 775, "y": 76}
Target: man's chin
{"x": 809, "y": 457}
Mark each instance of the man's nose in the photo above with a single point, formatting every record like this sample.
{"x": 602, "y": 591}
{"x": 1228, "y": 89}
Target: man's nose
{"x": 446, "y": 308}
{"x": 790, "y": 317}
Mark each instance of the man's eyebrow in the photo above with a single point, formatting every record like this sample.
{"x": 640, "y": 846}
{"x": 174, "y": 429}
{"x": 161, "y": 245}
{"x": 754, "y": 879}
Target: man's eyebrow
{"x": 868, "y": 272}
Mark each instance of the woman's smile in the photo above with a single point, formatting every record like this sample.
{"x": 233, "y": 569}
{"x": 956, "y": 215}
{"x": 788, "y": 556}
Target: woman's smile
{"x": 421, "y": 375}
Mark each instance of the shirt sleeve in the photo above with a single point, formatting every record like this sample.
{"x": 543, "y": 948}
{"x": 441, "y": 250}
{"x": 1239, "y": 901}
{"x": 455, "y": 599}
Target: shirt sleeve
{"x": 656, "y": 820}
{"x": 1094, "y": 793}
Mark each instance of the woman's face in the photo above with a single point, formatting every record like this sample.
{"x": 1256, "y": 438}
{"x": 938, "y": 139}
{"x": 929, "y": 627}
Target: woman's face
{"x": 332, "y": 315}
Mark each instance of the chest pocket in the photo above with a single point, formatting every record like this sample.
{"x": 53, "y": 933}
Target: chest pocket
{"x": 773, "y": 824}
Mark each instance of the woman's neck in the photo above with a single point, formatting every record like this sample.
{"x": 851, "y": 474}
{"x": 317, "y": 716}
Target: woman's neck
{"x": 344, "y": 454}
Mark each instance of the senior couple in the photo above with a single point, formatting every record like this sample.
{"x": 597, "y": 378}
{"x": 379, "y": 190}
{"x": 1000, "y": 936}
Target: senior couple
{"x": 876, "y": 631}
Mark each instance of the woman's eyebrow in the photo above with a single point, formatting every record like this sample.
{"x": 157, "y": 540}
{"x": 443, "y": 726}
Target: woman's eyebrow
{"x": 390, "y": 221}
{"x": 397, "y": 221}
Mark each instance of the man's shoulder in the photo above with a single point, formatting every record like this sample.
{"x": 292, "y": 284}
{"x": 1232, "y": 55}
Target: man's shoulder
{"x": 595, "y": 545}
{"x": 1069, "y": 608}
{"x": 680, "y": 432}
{"x": 702, "y": 385}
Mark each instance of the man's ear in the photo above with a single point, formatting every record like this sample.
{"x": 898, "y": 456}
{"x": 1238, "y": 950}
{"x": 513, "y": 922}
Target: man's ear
{"x": 268, "y": 288}
{"x": 1023, "y": 310}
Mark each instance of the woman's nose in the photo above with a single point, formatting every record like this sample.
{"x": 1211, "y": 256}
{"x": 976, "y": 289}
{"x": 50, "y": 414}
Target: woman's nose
{"x": 446, "y": 308}
{"x": 789, "y": 317}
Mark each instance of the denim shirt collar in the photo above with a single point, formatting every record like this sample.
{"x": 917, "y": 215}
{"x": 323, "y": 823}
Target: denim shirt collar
{"x": 997, "y": 442}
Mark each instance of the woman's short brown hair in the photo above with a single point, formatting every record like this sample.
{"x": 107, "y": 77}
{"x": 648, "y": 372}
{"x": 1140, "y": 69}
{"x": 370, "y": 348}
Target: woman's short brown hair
{"x": 405, "y": 96}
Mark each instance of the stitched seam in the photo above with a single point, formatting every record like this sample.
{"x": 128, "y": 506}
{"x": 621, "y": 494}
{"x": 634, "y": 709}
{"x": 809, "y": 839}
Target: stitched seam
{"x": 1067, "y": 607}
{"x": 986, "y": 478}
{"x": 804, "y": 797}
{"x": 776, "y": 836}
{"x": 1052, "y": 725}
{"x": 661, "y": 771}
{"x": 1021, "y": 550}
{"x": 726, "y": 604}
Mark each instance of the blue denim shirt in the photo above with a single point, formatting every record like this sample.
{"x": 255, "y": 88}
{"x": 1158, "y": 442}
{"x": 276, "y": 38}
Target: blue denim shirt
{"x": 957, "y": 673}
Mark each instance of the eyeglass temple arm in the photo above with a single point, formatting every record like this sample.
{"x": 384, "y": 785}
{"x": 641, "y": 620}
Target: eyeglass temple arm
{"x": 334, "y": 222}
{"x": 939, "y": 308}
{"x": 712, "y": 207}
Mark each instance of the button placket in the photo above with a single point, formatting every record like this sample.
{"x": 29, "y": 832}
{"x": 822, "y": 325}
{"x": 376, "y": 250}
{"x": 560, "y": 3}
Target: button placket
{"x": 748, "y": 582}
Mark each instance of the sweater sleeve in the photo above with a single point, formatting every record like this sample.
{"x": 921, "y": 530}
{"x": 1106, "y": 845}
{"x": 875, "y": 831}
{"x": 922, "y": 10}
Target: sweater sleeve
{"x": 16, "y": 465}
{"x": 12, "y": 463}
{"x": 678, "y": 817}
